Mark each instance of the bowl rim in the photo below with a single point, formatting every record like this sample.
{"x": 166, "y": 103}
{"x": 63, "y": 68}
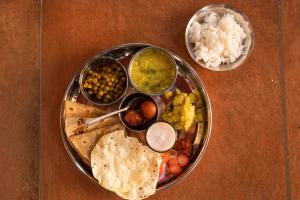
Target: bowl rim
{"x": 142, "y": 51}
{"x": 87, "y": 66}
{"x": 242, "y": 58}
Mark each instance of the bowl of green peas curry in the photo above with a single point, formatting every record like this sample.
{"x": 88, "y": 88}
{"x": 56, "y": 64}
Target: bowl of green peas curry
{"x": 103, "y": 80}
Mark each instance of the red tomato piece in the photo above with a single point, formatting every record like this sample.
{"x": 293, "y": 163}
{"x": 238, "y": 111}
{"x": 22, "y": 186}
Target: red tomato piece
{"x": 175, "y": 169}
{"x": 182, "y": 160}
{"x": 165, "y": 157}
{"x": 172, "y": 161}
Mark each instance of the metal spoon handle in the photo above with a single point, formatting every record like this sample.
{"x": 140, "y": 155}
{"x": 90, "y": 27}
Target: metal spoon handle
{"x": 95, "y": 120}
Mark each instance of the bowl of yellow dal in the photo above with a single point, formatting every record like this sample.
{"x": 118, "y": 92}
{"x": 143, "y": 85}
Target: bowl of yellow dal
{"x": 152, "y": 71}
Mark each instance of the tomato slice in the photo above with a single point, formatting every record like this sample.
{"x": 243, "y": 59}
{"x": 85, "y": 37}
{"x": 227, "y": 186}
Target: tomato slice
{"x": 165, "y": 157}
{"x": 182, "y": 160}
{"x": 172, "y": 161}
{"x": 175, "y": 169}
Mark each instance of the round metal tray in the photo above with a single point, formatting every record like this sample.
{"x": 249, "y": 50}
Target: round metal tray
{"x": 188, "y": 80}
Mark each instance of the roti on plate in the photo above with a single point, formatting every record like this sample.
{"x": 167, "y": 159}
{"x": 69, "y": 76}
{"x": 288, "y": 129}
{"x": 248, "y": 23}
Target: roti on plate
{"x": 75, "y": 109}
{"x": 125, "y": 166}
{"x": 76, "y": 125}
{"x": 85, "y": 142}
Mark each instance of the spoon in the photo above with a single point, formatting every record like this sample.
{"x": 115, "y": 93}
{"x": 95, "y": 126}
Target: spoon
{"x": 97, "y": 119}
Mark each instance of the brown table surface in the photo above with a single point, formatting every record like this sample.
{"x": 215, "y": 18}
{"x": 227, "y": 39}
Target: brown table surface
{"x": 254, "y": 150}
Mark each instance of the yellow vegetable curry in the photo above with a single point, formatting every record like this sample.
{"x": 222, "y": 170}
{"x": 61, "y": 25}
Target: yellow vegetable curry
{"x": 153, "y": 71}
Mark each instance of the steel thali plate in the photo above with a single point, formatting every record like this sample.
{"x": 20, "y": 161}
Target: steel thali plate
{"x": 187, "y": 81}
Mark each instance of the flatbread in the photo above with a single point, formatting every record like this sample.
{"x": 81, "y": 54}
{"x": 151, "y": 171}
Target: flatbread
{"x": 123, "y": 165}
{"x": 75, "y": 109}
{"x": 84, "y": 143}
{"x": 76, "y": 125}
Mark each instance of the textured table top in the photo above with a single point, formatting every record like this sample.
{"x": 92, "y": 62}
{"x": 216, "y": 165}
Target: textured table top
{"x": 254, "y": 149}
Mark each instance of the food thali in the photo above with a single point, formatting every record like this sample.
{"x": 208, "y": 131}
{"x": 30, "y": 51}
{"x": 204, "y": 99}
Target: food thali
{"x": 193, "y": 133}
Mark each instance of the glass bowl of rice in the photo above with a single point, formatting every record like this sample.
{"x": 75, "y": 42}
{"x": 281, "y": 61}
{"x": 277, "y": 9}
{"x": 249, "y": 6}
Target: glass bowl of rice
{"x": 219, "y": 37}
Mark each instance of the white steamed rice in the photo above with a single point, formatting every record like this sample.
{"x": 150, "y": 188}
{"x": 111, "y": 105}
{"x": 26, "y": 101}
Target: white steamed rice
{"x": 218, "y": 40}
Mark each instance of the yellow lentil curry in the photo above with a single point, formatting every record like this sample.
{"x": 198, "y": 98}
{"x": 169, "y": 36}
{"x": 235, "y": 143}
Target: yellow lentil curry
{"x": 153, "y": 71}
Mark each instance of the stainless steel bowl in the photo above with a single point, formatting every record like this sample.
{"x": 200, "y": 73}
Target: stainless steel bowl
{"x": 241, "y": 19}
{"x": 143, "y": 51}
{"x": 96, "y": 62}
{"x": 143, "y": 97}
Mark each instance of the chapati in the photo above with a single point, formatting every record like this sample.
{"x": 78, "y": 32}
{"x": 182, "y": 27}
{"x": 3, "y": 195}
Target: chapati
{"x": 84, "y": 143}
